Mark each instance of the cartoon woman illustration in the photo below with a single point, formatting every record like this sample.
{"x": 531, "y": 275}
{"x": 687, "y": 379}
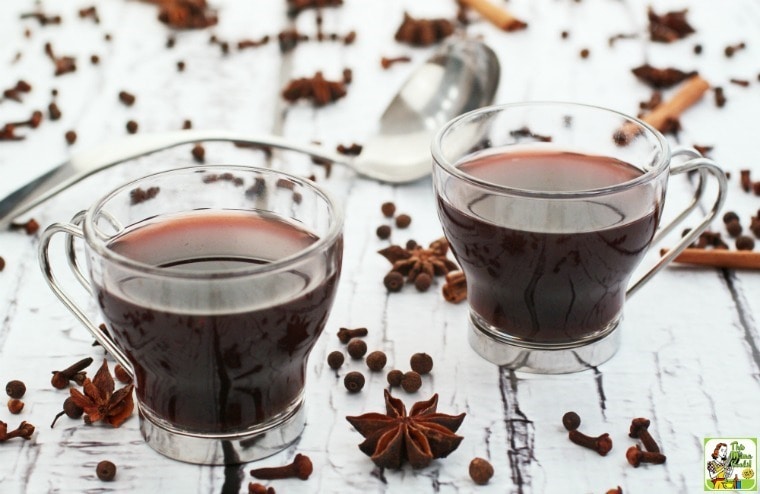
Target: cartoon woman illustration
{"x": 719, "y": 467}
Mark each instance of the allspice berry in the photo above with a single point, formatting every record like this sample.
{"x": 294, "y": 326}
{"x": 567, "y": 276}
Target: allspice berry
{"x": 422, "y": 282}
{"x": 376, "y": 361}
{"x": 71, "y": 409}
{"x": 571, "y": 421}
{"x": 394, "y": 378}
{"x": 132, "y": 127}
{"x": 730, "y": 216}
{"x": 734, "y": 228}
{"x": 15, "y": 406}
{"x": 403, "y": 220}
{"x": 388, "y": 209}
{"x": 121, "y": 374}
{"x": 481, "y": 471}
{"x": 421, "y": 363}
{"x": 106, "y": 471}
{"x": 15, "y": 389}
{"x": 354, "y": 381}
{"x": 357, "y": 348}
{"x": 393, "y": 281}
{"x": 745, "y": 242}
{"x": 411, "y": 382}
{"x": 383, "y": 232}
{"x": 335, "y": 359}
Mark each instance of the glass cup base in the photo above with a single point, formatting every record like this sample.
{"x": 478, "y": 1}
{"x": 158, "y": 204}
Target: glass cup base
{"x": 539, "y": 358}
{"x": 223, "y": 449}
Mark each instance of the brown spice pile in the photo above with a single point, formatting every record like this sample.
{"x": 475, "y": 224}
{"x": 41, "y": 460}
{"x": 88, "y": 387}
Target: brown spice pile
{"x": 668, "y": 27}
{"x": 423, "y": 32}
{"x": 317, "y": 89}
{"x": 661, "y": 78}
{"x": 185, "y": 14}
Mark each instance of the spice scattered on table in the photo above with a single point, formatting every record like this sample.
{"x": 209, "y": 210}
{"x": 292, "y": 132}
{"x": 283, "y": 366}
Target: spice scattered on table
{"x": 394, "y": 377}
{"x": 63, "y": 65}
{"x": 101, "y": 402}
{"x": 345, "y": 334}
{"x": 75, "y": 372}
{"x": 394, "y": 438}
{"x": 15, "y": 406}
{"x": 354, "y": 381}
{"x": 127, "y": 98}
{"x": 412, "y": 262}
{"x": 106, "y": 471}
{"x": 316, "y": 89}
{"x": 70, "y": 409}
{"x": 636, "y": 457}
{"x": 454, "y": 290}
{"x": 480, "y": 471}
{"x": 376, "y": 361}
{"x": 668, "y": 27}
{"x": 422, "y": 363}
{"x": 335, "y": 359}
{"x": 571, "y": 421}
{"x": 411, "y": 382}
{"x": 356, "y": 348}
{"x": 496, "y": 14}
{"x": 24, "y": 431}
{"x": 300, "y": 468}
{"x": 423, "y": 32}
{"x": 658, "y": 78}
{"x": 15, "y": 388}
{"x": 139, "y": 195}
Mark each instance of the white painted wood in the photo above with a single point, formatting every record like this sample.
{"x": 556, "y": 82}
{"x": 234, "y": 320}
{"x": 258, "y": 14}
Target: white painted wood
{"x": 690, "y": 359}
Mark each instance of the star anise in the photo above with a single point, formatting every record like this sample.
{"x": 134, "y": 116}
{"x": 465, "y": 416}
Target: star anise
{"x": 185, "y": 14}
{"x": 295, "y": 7}
{"x": 99, "y": 400}
{"x": 668, "y": 27}
{"x": 417, "y": 260}
{"x": 418, "y": 438}
{"x": 661, "y": 78}
{"x": 317, "y": 89}
{"x": 423, "y": 32}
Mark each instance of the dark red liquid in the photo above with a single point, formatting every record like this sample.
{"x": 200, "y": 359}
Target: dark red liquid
{"x": 224, "y": 370}
{"x": 561, "y": 279}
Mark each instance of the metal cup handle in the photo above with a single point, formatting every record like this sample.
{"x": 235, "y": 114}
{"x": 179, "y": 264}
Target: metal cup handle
{"x": 705, "y": 167}
{"x": 72, "y": 231}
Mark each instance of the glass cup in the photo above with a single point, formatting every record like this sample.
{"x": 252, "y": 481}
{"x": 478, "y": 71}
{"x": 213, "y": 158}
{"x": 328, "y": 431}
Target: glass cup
{"x": 215, "y": 283}
{"x": 549, "y": 208}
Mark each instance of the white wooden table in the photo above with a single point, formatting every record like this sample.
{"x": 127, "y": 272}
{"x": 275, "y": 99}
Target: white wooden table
{"x": 690, "y": 359}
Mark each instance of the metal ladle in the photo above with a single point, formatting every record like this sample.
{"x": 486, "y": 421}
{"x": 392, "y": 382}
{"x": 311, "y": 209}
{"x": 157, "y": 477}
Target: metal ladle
{"x": 461, "y": 76}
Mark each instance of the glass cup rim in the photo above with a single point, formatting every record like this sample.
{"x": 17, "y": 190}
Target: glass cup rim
{"x": 97, "y": 243}
{"x": 440, "y": 161}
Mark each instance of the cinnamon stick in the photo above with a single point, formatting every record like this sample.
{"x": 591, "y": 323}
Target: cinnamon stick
{"x": 666, "y": 112}
{"x": 496, "y": 15}
{"x": 455, "y": 288}
{"x": 719, "y": 258}
{"x": 691, "y": 92}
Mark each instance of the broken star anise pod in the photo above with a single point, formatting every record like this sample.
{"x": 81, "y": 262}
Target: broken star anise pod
{"x": 419, "y": 437}
{"x": 413, "y": 262}
{"x": 317, "y": 89}
{"x": 99, "y": 400}
{"x": 668, "y": 27}
{"x": 423, "y": 32}
{"x": 661, "y": 78}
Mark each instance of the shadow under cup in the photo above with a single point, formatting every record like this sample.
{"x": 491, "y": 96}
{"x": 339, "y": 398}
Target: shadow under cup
{"x": 549, "y": 208}
{"x": 215, "y": 283}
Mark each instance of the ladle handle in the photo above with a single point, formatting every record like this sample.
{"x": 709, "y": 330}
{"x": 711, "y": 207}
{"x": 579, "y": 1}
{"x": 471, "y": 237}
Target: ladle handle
{"x": 84, "y": 164}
